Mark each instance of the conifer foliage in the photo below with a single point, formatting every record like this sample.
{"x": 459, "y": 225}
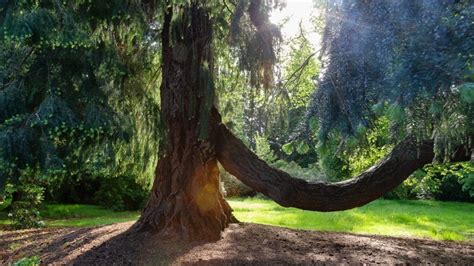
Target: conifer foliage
{"x": 411, "y": 59}
{"x": 77, "y": 90}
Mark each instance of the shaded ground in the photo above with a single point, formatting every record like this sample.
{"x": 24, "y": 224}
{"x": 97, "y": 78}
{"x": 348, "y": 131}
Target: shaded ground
{"x": 400, "y": 218}
{"x": 240, "y": 244}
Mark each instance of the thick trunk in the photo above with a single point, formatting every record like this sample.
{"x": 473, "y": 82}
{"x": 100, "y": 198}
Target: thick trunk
{"x": 185, "y": 200}
{"x": 288, "y": 191}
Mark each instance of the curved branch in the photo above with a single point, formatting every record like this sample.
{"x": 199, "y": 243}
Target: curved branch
{"x": 288, "y": 191}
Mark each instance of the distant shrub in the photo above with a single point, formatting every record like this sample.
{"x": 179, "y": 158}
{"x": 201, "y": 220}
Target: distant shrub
{"x": 6, "y": 196}
{"x": 263, "y": 150}
{"x": 468, "y": 183}
{"x": 405, "y": 190}
{"x": 447, "y": 182}
{"x": 29, "y": 195}
{"x": 121, "y": 193}
{"x": 118, "y": 193}
{"x": 232, "y": 187}
{"x": 311, "y": 173}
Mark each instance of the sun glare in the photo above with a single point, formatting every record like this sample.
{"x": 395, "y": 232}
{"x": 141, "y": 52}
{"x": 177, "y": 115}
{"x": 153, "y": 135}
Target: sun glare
{"x": 296, "y": 12}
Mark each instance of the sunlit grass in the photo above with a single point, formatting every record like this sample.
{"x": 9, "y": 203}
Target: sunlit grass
{"x": 79, "y": 215}
{"x": 426, "y": 219}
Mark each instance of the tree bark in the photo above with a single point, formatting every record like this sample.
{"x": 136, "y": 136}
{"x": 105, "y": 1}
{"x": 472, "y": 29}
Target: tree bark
{"x": 288, "y": 191}
{"x": 185, "y": 200}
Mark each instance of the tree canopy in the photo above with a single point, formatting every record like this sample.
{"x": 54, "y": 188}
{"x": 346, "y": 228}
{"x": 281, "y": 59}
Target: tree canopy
{"x": 411, "y": 59}
{"x": 77, "y": 90}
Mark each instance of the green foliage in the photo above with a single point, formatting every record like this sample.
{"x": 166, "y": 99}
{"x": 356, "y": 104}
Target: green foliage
{"x": 415, "y": 57}
{"x": 78, "y": 215}
{"x": 78, "y": 92}
{"x": 254, "y": 38}
{"x": 303, "y": 148}
{"x": 445, "y": 181}
{"x": 232, "y": 89}
{"x": 276, "y": 111}
{"x": 29, "y": 190}
{"x": 405, "y": 190}
{"x": 300, "y": 70}
{"x": 121, "y": 193}
{"x": 468, "y": 183}
{"x": 334, "y": 167}
{"x": 374, "y": 146}
{"x": 288, "y": 148}
{"x": 310, "y": 173}
{"x": 263, "y": 150}
{"x": 467, "y": 92}
{"x": 232, "y": 187}
{"x": 7, "y": 196}
{"x": 29, "y": 261}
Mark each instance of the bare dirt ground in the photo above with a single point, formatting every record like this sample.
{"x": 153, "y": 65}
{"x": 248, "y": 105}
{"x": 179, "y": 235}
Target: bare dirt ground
{"x": 240, "y": 244}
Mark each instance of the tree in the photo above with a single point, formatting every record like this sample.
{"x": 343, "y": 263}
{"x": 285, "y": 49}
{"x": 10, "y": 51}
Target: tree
{"x": 77, "y": 96}
{"x": 185, "y": 198}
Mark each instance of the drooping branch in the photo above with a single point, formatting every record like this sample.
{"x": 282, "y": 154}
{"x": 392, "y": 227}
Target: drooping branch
{"x": 288, "y": 191}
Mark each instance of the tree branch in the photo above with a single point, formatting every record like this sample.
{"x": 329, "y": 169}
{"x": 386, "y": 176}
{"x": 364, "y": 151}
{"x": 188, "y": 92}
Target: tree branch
{"x": 297, "y": 73}
{"x": 288, "y": 191}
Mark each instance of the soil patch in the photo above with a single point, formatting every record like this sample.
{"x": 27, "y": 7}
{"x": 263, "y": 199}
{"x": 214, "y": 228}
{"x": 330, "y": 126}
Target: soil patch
{"x": 240, "y": 244}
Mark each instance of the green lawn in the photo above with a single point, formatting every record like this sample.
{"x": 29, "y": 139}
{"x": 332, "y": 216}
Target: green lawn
{"x": 427, "y": 219}
{"x": 79, "y": 215}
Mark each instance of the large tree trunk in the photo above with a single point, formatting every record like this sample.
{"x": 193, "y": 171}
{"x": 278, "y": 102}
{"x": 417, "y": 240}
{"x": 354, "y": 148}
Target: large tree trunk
{"x": 186, "y": 200}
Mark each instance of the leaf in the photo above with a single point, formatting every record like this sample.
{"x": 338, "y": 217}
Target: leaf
{"x": 288, "y": 148}
{"x": 302, "y": 148}
{"x": 313, "y": 124}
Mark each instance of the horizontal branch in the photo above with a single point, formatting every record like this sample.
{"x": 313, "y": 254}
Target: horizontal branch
{"x": 288, "y": 191}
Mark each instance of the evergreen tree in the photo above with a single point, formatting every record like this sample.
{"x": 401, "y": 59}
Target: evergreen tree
{"x": 77, "y": 92}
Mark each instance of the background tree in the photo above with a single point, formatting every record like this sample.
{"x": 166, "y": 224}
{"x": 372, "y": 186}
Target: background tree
{"x": 78, "y": 100}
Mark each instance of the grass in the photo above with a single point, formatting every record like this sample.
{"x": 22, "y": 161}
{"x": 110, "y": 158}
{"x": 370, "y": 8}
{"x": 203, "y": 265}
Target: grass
{"x": 79, "y": 215}
{"x": 426, "y": 219}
